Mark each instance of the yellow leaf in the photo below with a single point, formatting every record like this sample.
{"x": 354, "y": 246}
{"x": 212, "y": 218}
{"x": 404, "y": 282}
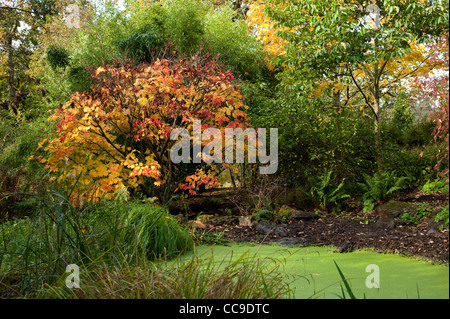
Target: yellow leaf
{"x": 100, "y": 70}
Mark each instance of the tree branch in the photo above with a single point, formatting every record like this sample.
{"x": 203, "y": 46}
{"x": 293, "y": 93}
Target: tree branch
{"x": 17, "y": 9}
{"x": 360, "y": 90}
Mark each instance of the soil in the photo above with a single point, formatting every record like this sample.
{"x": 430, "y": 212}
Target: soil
{"x": 350, "y": 231}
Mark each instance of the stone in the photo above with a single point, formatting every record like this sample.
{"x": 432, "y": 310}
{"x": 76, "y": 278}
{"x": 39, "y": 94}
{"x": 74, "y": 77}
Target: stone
{"x": 290, "y": 241}
{"x": 223, "y": 220}
{"x": 393, "y": 209}
{"x": 345, "y": 247}
{"x": 280, "y": 231}
{"x": 385, "y": 222}
{"x": 433, "y": 226}
{"x": 293, "y": 213}
{"x": 245, "y": 221}
{"x": 264, "y": 227}
{"x": 198, "y": 224}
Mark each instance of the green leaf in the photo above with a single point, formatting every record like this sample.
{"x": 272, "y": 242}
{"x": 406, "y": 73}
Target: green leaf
{"x": 347, "y": 286}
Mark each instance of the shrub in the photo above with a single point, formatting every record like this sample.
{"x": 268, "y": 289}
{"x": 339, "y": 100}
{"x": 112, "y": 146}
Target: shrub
{"x": 413, "y": 158}
{"x": 79, "y": 79}
{"x": 18, "y": 141}
{"x": 141, "y": 45}
{"x": 228, "y": 36}
{"x": 436, "y": 186}
{"x": 443, "y": 216}
{"x": 118, "y": 135}
{"x": 185, "y": 24}
{"x": 57, "y": 57}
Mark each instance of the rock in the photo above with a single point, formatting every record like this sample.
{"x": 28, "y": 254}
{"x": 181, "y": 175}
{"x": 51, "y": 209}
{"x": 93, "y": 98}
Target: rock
{"x": 433, "y": 226}
{"x": 223, "y": 220}
{"x": 198, "y": 224}
{"x": 290, "y": 241}
{"x": 385, "y": 222}
{"x": 389, "y": 212}
{"x": 264, "y": 227}
{"x": 245, "y": 221}
{"x": 390, "y": 222}
{"x": 293, "y": 213}
{"x": 393, "y": 209}
{"x": 280, "y": 231}
{"x": 345, "y": 247}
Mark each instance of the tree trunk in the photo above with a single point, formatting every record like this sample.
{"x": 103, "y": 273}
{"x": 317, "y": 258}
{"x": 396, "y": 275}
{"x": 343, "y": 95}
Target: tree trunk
{"x": 376, "y": 107}
{"x": 376, "y": 99}
{"x": 378, "y": 146}
{"x": 233, "y": 182}
{"x": 243, "y": 176}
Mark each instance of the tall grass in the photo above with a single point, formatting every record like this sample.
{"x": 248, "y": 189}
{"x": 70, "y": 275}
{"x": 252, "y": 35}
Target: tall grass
{"x": 123, "y": 250}
{"x": 157, "y": 232}
{"x": 36, "y": 250}
{"x": 199, "y": 277}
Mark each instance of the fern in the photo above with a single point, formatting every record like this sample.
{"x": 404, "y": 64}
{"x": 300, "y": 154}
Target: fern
{"x": 326, "y": 193}
{"x": 379, "y": 187}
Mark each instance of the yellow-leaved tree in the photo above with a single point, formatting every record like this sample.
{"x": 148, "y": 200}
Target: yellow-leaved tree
{"x": 357, "y": 52}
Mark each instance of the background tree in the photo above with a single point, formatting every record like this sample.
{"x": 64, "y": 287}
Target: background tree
{"x": 433, "y": 89}
{"x": 21, "y": 23}
{"x": 340, "y": 43}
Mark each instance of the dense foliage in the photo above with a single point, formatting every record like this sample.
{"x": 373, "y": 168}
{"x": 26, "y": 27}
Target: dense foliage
{"x": 119, "y": 135}
{"x": 358, "y": 93}
{"x": 313, "y": 83}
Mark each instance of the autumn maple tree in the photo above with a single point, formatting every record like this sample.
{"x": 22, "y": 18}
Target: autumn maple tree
{"x": 118, "y": 135}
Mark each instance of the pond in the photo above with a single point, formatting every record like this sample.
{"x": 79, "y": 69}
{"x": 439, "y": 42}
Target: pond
{"x": 314, "y": 273}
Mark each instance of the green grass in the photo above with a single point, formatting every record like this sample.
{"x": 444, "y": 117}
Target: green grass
{"x": 197, "y": 277}
{"x": 157, "y": 231}
{"x": 35, "y": 251}
{"x": 316, "y": 276}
